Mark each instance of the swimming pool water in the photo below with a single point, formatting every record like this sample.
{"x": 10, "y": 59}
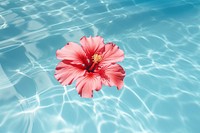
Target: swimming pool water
{"x": 161, "y": 41}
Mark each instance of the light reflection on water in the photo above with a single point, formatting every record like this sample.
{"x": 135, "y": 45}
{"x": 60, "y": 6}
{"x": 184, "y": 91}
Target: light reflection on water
{"x": 162, "y": 47}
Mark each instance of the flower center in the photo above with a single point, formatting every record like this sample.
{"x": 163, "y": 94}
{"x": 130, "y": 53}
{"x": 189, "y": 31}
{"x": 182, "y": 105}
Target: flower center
{"x": 96, "y": 58}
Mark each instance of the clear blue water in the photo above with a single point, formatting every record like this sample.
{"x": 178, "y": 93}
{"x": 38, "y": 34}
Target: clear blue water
{"x": 161, "y": 40}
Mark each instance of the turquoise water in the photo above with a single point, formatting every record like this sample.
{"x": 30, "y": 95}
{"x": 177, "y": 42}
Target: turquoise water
{"x": 161, "y": 41}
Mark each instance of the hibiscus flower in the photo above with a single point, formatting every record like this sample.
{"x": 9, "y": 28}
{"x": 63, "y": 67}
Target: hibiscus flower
{"x": 91, "y": 65}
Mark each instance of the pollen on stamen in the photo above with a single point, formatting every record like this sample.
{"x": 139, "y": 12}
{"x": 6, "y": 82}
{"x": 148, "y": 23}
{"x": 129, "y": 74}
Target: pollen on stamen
{"x": 96, "y": 58}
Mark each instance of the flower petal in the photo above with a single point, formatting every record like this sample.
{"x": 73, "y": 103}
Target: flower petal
{"x": 72, "y": 52}
{"x": 112, "y": 75}
{"x": 92, "y": 45}
{"x": 112, "y": 54}
{"x": 86, "y": 84}
{"x": 66, "y": 73}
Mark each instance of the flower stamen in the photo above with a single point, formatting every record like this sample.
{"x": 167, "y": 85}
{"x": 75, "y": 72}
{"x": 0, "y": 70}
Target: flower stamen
{"x": 96, "y": 58}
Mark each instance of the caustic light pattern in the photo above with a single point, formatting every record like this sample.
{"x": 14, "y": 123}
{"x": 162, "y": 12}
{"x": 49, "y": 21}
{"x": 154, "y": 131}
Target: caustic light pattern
{"x": 92, "y": 65}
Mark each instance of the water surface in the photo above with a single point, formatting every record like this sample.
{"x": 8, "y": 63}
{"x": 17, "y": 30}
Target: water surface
{"x": 161, "y": 41}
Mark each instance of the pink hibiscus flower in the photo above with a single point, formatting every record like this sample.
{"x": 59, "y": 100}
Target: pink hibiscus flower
{"x": 91, "y": 64}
